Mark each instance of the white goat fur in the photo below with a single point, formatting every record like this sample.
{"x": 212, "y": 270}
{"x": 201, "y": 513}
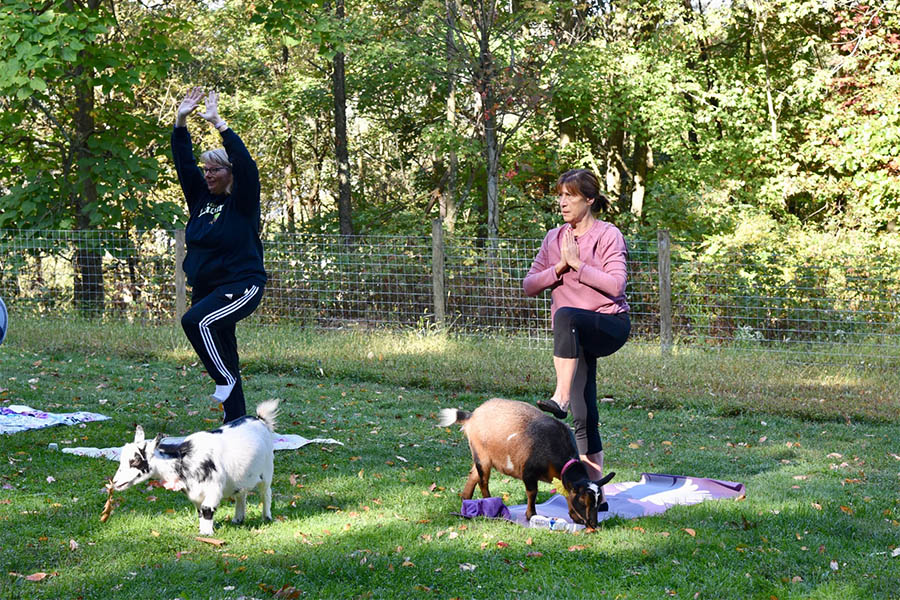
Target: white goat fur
{"x": 209, "y": 465}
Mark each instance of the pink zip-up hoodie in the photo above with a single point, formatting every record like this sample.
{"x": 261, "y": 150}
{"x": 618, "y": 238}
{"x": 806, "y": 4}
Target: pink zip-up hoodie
{"x": 599, "y": 285}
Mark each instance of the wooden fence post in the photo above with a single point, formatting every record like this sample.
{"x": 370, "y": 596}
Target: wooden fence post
{"x": 664, "y": 254}
{"x": 180, "y": 289}
{"x": 437, "y": 272}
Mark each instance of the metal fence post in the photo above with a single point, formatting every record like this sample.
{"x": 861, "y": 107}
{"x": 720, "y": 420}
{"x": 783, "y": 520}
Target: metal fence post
{"x": 664, "y": 256}
{"x": 180, "y": 289}
{"x": 437, "y": 271}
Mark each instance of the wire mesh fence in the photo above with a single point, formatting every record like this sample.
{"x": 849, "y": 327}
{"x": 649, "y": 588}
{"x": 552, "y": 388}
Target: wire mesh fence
{"x": 844, "y": 309}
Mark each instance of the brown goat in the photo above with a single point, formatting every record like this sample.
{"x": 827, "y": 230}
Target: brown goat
{"x": 519, "y": 440}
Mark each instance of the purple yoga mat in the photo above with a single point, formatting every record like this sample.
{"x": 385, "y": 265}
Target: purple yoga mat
{"x": 653, "y": 494}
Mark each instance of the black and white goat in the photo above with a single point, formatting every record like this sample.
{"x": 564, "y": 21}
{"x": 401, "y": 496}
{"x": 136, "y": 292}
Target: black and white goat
{"x": 209, "y": 465}
{"x": 519, "y": 440}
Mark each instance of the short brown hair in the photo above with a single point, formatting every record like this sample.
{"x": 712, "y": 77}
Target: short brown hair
{"x": 585, "y": 183}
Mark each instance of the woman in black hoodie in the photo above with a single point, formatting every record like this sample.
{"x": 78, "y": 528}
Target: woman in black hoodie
{"x": 224, "y": 261}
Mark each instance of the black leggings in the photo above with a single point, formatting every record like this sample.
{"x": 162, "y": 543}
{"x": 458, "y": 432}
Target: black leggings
{"x": 587, "y": 335}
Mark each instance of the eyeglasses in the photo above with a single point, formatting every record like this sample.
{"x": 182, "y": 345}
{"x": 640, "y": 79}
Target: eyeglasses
{"x": 208, "y": 170}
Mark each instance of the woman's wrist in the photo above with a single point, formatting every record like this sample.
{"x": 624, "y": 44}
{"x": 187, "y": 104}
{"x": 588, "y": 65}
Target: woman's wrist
{"x": 220, "y": 125}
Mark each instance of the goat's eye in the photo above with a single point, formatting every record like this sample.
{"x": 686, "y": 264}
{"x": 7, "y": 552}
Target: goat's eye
{"x": 135, "y": 462}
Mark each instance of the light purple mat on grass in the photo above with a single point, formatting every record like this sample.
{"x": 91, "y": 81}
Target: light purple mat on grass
{"x": 653, "y": 494}
{"x": 16, "y": 417}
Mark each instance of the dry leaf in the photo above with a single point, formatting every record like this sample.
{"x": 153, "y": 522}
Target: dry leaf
{"x": 895, "y": 552}
{"x": 502, "y": 545}
{"x": 847, "y": 509}
{"x": 73, "y": 545}
{"x": 535, "y": 554}
{"x": 36, "y": 577}
{"x": 289, "y": 592}
{"x": 467, "y": 567}
{"x": 108, "y": 507}
{"x": 690, "y": 531}
{"x": 577, "y": 547}
{"x": 213, "y": 541}
{"x": 817, "y": 506}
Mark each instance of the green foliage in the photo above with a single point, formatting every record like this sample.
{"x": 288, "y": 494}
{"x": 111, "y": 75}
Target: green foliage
{"x": 75, "y": 116}
{"x": 784, "y": 109}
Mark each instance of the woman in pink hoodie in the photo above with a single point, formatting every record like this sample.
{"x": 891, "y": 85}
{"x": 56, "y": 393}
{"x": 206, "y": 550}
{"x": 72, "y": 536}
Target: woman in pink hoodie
{"x": 583, "y": 263}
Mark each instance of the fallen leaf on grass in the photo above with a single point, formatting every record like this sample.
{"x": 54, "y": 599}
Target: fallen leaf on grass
{"x": 895, "y": 552}
{"x": 847, "y": 509}
{"x": 834, "y": 565}
{"x": 690, "y": 531}
{"x": 535, "y": 554}
{"x": 73, "y": 545}
{"x": 208, "y": 540}
{"x": 467, "y": 567}
{"x": 577, "y": 547}
{"x": 817, "y": 506}
{"x": 108, "y": 507}
{"x": 37, "y": 576}
{"x": 502, "y": 545}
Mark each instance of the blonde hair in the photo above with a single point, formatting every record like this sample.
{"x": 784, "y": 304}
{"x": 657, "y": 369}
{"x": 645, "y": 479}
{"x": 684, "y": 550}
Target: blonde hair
{"x": 218, "y": 157}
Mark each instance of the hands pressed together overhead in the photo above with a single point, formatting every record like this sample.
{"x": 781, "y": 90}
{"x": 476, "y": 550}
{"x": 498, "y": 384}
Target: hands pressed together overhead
{"x": 192, "y": 101}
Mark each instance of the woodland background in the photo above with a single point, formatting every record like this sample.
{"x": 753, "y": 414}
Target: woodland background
{"x": 762, "y": 134}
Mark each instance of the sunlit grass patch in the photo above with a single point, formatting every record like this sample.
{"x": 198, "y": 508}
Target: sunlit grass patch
{"x": 372, "y": 518}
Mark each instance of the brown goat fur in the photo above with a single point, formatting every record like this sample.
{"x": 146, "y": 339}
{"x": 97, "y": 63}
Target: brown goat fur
{"x": 519, "y": 440}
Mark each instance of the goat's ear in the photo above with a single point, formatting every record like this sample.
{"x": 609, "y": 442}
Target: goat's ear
{"x": 606, "y": 479}
{"x": 155, "y": 442}
{"x": 138, "y": 434}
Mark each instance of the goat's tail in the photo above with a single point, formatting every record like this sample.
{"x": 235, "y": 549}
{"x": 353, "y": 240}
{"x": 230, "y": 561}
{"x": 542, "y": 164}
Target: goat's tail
{"x": 449, "y": 416}
{"x": 268, "y": 412}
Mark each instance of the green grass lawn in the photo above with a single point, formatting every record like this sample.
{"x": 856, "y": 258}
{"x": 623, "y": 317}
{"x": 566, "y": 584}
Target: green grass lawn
{"x": 816, "y": 449}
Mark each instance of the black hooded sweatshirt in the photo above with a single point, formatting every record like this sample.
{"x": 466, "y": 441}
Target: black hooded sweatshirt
{"x": 222, "y": 232}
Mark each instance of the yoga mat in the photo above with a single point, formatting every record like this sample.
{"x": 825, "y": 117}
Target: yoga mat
{"x": 283, "y": 441}
{"x": 652, "y": 495}
{"x": 17, "y": 417}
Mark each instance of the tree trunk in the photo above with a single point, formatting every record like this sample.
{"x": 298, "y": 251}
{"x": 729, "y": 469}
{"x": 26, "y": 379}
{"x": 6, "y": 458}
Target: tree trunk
{"x": 88, "y": 261}
{"x": 770, "y": 103}
{"x": 643, "y": 162}
{"x": 448, "y": 199}
{"x": 615, "y": 174}
{"x": 489, "y": 116}
{"x": 290, "y": 167}
{"x": 340, "y": 136}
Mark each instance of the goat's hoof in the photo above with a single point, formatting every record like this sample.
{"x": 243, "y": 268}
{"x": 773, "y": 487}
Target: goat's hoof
{"x": 237, "y": 521}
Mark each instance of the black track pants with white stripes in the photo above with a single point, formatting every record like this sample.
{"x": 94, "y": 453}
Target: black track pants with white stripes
{"x": 209, "y": 325}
